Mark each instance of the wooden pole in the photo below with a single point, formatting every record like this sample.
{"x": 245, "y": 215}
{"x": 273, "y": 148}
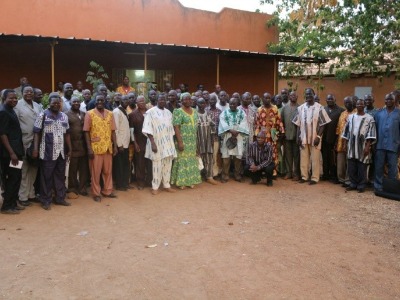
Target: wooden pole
{"x": 52, "y": 44}
{"x": 145, "y": 60}
{"x": 217, "y": 69}
{"x": 319, "y": 78}
{"x": 275, "y": 76}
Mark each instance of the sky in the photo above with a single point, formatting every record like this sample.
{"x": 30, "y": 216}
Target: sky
{"x": 217, "y": 5}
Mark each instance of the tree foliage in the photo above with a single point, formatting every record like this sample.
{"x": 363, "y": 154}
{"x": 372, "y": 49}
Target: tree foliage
{"x": 356, "y": 35}
{"x": 96, "y": 74}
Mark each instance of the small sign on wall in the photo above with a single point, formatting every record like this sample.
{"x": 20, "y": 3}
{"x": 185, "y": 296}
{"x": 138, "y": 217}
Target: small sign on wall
{"x": 361, "y": 91}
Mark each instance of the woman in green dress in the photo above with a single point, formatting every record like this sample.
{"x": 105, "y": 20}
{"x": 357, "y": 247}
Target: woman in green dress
{"x": 185, "y": 171}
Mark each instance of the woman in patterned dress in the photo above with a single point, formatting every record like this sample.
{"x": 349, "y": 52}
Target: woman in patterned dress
{"x": 185, "y": 171}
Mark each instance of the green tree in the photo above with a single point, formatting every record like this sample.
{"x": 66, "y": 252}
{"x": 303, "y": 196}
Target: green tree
{"x": 96, "y": 74}
{"x": 356, "y": 35}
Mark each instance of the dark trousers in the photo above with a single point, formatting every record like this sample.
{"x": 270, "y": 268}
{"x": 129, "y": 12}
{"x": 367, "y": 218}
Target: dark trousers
{"x": 292, "y": 158}
{"x": 357, "y": 173}
{"x": 382, "y": 156}
{"x": 143, "y": 169}
{"x": 256, "y": 176}
{"x": 329, "y": 160}
{"x": 121, "y": 169}
{"x": 11, "y": 180}
{"x": 226, "y": 163}
{"x": 78, "y": 174}
{"x": 52, "y": 176}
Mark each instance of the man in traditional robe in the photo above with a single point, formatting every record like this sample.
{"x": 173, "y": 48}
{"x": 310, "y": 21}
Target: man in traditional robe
{"x": 310, "y": 120}
{"x": 232, "y": 129}
{"x": 160, "y": 148}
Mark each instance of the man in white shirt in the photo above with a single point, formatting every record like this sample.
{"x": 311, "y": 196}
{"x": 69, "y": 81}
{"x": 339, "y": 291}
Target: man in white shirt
{"x": 121, "y": 160}
{"x": 160, "y": 148}
{"x": 223, "y": 101}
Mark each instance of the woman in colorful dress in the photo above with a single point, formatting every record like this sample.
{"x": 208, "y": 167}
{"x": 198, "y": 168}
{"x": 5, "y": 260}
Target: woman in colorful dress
{"x": 185, "y": 171}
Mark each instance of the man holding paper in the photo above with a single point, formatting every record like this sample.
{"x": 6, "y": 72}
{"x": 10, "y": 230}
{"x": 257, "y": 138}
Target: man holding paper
{"x": 11, "y": 153}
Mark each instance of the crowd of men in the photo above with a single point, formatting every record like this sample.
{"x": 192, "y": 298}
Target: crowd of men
{"x": 120, "y": 140}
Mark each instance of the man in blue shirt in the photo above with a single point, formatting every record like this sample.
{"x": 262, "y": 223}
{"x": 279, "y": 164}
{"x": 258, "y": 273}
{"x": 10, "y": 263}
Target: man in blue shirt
{"x": 387, "y": 148}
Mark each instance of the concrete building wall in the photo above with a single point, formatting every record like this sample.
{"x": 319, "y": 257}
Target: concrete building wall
{"x": 145, "y": 21}
{"x": 342, "y": 89}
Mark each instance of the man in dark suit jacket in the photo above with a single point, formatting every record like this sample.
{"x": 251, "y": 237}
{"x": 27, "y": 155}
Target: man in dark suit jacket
{"x": 11, "y": 153}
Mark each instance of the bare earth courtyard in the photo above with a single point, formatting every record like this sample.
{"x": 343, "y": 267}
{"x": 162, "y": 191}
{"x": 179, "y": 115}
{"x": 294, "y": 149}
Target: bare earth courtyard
{"x": 213, "y": 242}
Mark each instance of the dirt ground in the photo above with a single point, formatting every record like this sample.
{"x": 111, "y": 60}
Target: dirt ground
{"x": 241, "y": 242}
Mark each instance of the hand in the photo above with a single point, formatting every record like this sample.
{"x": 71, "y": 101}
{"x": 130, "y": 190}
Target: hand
{"x": 234, "y": 132}
{"x": 90, "y": 154}
{"x": 253, "y": 168}
{"x": 316, "y": 141}
{"x": 180, "y": 146}
{"x": 14, "y": 159}
{"x": 367, "y": 150}
{"x": 120, "y": 149}
{"x": 154, "y": 147}
{"x": 35, "y": 154}
{"x": 299, "y": 142}
{"x": 68, "y": 155}
{"x": 137, "y": 148}
{"x": 115, "y": 150}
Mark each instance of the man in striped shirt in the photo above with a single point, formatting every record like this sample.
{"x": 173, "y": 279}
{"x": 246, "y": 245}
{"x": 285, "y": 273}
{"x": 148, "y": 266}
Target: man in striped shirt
{"x": 310, "y": 121}
{"x": 260, "y": 160}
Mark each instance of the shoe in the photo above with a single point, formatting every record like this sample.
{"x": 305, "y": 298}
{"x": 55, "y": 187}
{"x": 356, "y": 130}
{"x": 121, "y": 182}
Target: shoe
{"x": 224, "y": 180}
{"x": 345, "y": 185}
{"x": 360, "y": 190}
{"x": 131, "y": 187}
{"x": 83, "y": 193}
{"x": 97, "y": 198}
{"x": 46, "y": 206}
{"x": 212, "y": 181}
{"x": 140, "y": 187}
{"x": 154, "y": 192}
{"x": 269, "y": 183}
{"x": 312, "y": 182}
{"x": 302, "y": 181}
{"x": 63, "y": 203}
{"x": 24, "y": 203}
{"x": 350, "y": 188}
{"x": 191, "y": 186}
{"x": 295, "y": 178}
{"x": 239, "y": 179}
{"x": 112, "y": 195}
{"x": 19, "y": 207}
{"x": 10, "y": 211}
{"x": 287, "y": 177}
{"x": 34, "y": 200}
{"x": 72, "y": 195}
{"x": 169, "y": 190}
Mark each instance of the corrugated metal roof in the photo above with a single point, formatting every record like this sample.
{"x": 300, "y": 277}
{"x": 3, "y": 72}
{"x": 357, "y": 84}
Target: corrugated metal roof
{"x": 280, "y": 57}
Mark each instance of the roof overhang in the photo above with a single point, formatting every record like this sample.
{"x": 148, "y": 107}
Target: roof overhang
{"x": 194, "y": 49}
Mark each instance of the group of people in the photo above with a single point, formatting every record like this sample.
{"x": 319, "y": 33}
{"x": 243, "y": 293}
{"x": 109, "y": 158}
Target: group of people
{"x": 182, "y": 139}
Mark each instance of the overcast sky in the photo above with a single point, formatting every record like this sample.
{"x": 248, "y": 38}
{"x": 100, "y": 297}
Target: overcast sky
{"x": 217, "y": 5}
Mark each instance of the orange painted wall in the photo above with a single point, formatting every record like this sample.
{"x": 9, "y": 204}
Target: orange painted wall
{"x": 342, "y": 89}
{"x": 145, "y": 21}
